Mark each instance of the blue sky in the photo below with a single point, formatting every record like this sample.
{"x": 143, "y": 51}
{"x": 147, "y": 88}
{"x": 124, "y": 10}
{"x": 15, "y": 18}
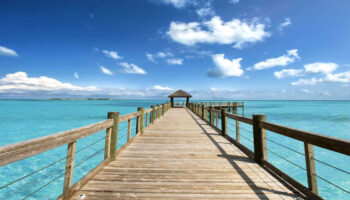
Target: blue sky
{"x": 145, "y": 49}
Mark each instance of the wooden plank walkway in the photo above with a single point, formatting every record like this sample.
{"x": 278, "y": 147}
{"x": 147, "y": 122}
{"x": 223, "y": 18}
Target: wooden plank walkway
{"x": 182, "y": 157}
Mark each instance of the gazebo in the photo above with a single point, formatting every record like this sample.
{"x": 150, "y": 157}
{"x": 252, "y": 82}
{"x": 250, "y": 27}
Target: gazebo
{"x": 179, "y": 93}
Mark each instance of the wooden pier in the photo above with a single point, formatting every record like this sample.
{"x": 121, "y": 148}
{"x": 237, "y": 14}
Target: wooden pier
{"x": 182, "y": 157}
{"x": 178, "y": 153}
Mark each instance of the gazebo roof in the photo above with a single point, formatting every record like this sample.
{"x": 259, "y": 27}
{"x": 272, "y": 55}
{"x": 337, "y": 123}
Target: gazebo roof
{"x": 180, "y": 93}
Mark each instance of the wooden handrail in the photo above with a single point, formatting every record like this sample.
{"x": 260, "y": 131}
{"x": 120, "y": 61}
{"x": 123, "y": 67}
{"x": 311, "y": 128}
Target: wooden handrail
{"x": 327, "y": 142}
{"x": 18, "y": 151}
{"x": 240, "y": 118}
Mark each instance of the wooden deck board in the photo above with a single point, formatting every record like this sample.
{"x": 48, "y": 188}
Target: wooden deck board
{"x": 181, "y": 157}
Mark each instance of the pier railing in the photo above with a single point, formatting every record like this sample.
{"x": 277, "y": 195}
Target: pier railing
{"x": 212, "y": 115}
{"x": 18, "y": 151}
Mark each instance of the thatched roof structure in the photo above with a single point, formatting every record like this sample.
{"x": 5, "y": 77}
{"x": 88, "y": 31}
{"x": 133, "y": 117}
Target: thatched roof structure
{"x": 180, "y": 93}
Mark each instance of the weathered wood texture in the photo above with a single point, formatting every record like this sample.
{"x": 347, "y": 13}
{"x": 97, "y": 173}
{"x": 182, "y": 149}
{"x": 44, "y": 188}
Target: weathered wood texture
{"x": 182, "y": 157}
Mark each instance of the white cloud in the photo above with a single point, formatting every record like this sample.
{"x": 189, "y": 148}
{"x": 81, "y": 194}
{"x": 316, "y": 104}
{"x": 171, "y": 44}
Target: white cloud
{"x": 175, "y": 61}
{"x": 130, "y": 68}
{"x": 112, "y": 54}
{"x": 290, "y": 57}
{"x": 325, "y": 93}
{"x": 76, "y": 75}
{"x": 283, "y": 25}
{"x": 325, "y": 68}
{"x": 106, "y": 71}
{"x": 287, "y": 73}
{"x": 213, "y": 89}
{"x": 226, "y": 67}
{"x": 233, "y": 1}
{"x": 19, "y": 82}
{"x": 158, "y": 87}
{"x": 307, "y": 91}
{"x": 312, "y": 81}
{"x": 176, "y": 3}
{"x": 343, "y": 77}
{"x": 164, "y": 54}
{"x": 234, "y": 32}
{"x": 4, "y": 51}
{"x": 202, "y": 12}
{"x": 150, "y": 57}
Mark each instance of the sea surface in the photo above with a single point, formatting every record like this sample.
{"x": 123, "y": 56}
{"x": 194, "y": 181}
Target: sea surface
{"x": 22, "y": 120}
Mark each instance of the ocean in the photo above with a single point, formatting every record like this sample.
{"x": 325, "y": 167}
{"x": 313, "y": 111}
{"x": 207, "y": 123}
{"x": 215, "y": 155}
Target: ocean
{"x": 22, "y": 120}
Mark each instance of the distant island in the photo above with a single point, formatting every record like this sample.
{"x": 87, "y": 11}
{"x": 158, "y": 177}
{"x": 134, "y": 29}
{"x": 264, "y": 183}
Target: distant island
{"x": 79, "y": 99}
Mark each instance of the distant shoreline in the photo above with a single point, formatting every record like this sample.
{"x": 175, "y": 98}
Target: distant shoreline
{"x": 64, "y": 99}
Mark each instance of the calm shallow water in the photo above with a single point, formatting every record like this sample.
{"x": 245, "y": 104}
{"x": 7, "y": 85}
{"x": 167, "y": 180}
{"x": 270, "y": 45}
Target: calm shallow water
{"x": 26, "y": 119}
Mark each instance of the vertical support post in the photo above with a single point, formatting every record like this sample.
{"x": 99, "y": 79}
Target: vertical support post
{"x": 187, "y": 101}
{"x": 163, "y": 106}
{"x": 158, "y": 111}
{"x": 259, "y": 138}
{"x": 217, "y": 119}
{"x": 235, "y": 111}
{"x": 172, "y": 101}
{"x": 223, "y": 122}
{"x": 211, "y": 116}
{"x": 310, "y": 167}
{"x": 129, "y": 129}
{"x": 68, "y": 174}
{"x": 146, "y": 121}
{"x": 203, "y": 112}
{"x": 108, "y": 139}
{"x": 114, "y": 135}
{"x": 140, "y": 120}
{"x": 153, "y": 114}
{"x": 229, "y": 107}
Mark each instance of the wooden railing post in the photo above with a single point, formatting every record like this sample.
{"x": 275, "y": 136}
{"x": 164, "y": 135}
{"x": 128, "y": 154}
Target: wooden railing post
{"x": 223, "y": 122}
{"x": 108, "y": 138}
{"x": 260, "y": 151}
{"x": 68, "y": 174}
{"x": 158, "y": 111}
{"x": 203, "y": 112}
{"x": 153, "y": 113}
{"x": 114, "y": 134}
{"x": 237, "y": 126}
{"x": 163, "y": 106}
{"x": 310, "y": 167}
{"x": 140, "y": 120}
{"x": 129, "y": 129}
{"x": 211, "y": 116}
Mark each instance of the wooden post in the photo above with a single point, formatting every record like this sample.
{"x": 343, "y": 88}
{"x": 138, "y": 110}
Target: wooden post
{"x": 211, "y": 116}
{"x": 158, "y": 111}
{"x": 223, "y": 122}
{"x": 146, "y": 121}
{"x": 108, "y": 139}
{"x": 68, "y": 174}
{"x": 203, "y": 112}
{"x": 172, "y": 101}
{"x": 153, "y": 114}
{"x": 229, "y": 107}
{"x": 235, "y": 111}
{"x": 310, "y": 167}
{"x": 129, "y": 129}
{"x": 114, "y": 134}
{"x": 217, "y": 119}
{"x": 163, "y": 106}
{"x": 259, "y": 138}
{"x": 140, "y": 120}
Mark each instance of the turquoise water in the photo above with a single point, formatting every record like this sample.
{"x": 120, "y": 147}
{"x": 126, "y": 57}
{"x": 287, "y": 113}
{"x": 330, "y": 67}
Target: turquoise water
{"x": 26, "y": 119}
